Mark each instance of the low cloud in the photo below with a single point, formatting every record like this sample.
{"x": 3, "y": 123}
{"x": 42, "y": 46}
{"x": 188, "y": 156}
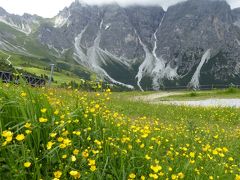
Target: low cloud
{"x": 164, "y": 3}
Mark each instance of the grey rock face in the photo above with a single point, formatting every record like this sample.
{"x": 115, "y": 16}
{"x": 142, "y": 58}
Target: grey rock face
{"x": 146, "y": 21}
{"x": 191, "y": 28}
{"x": 194, "y": 43}
{"x": 25, "y": 23}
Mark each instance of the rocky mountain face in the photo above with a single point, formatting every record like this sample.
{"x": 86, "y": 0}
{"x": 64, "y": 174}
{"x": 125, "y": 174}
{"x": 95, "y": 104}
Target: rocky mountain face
{"x": 23, "y": 23}
{"x": 191, "y": 44}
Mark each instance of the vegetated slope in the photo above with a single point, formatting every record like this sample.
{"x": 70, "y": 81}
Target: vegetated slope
{"x": 58, "y": 133}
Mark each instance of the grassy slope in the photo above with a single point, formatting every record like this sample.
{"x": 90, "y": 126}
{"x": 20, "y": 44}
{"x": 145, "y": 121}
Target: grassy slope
{"x": 59, "y": 77}
{"x": 180, "y": 140}
{"x": 42, "y": 57}
{"x": 122, "y": 102}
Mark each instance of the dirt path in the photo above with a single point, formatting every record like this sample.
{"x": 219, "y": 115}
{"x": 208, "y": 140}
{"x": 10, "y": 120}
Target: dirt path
{"x": 153, "y": 97}
{"x": 8, "y": 58}
{"x": 206, "y": 103}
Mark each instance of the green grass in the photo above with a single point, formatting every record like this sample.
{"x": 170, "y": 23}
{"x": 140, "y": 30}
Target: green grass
{"x": 201, "y": 95}
{"x": 68, "y": 134}
{"x": 36, "y": 65}
{"x": 59, "y": 77}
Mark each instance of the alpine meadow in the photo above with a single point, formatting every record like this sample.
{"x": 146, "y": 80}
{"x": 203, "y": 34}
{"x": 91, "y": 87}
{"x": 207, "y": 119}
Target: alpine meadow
{"x": 121, "y": 90}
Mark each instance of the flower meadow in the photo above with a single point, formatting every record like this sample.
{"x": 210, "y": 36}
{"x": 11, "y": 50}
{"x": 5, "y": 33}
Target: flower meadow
{"x": 52, "y": 134}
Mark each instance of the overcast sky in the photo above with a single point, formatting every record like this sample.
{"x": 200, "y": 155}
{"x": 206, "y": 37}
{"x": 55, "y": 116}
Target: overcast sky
{"x": 49, "y": 8}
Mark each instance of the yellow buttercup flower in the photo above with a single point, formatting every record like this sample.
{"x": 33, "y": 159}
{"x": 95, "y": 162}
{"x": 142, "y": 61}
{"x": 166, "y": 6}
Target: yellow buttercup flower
{"x": 27, "y": 164}
{"x": 85, "y": 154}
{"x": 75, "y": 174}
{"x": 132, "y": 176}
{"x": 64, "y": 156}
{"x": 156, "y": 168}
{"x": 50, "y": 144}
{"x": 53, "y": 135}
{"x": 93, "y": 168}
{"x": 27, "y": 125}
{"x": 57, "y": 174}
{"x": 28, "y": 131}
{"x": 181, "y": 175}
{"x": 73, "y": 158}
{"x": 20, "y": 137}
{"x": 43, "y": 120}
{"x": 23, "y": 94}
{"x": 56, "y": 112}
{"x": 154, "y": 176}
{"x": 174, "y": 176}
{"x": 7, "y": 134}
{"x": 76, "y": 152}
{"x": 192, "y": 154}
{"x": 237, "y": 177}
{"x": 44, "y": 110}
{"x": 147, "y": 157}
{"x": 91, "y": 162}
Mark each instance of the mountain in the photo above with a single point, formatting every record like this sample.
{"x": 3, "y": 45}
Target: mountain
{"x": 193, "y": 43}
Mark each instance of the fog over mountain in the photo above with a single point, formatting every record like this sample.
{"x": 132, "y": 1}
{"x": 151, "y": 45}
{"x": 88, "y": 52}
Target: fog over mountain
{"x": 54, "y": 6}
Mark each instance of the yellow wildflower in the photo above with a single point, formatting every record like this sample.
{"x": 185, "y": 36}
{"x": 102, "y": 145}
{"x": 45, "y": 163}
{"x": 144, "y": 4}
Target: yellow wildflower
{"x": 132, "y": 176}
{"x": 27, "y": 164}
{"x": 93, "y": 168}
{"x": 57, "y": 174}
{"x": 211, "y": 177}
{"x": 44, "y": 110}
{"x": 174, "y": 176}
{"x": 64, "y": 156}
{"x": 147, "y": 157}
{"x": 28, "y": 131}
{"x": 50, "y": 144}
{"x": 23, "y": 94}
{"x": 154, "y": 176}
{"x": 181, "y": 175}
{"x": 75, "y": 174}
{"x": 73, "y": 158}
{"x": 237, "y": 177}
{"x": 85, "y": 154}
{"x": 20, "y": 137}
{"x": 192, "y": 154}
{"x": 76, "y": 151}
{"x": 27, "y": 125}
{"x": 43, "y": 120}
{"x": 156, "y": 168}
{"x": 7, "y": 134}
{"x": 91, "y": 162}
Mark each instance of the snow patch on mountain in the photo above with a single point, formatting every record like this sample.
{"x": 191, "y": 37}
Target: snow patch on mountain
{"x": 195, "y": 79}
{"x": 107, "y": 26}
{"x": 146, "y": 67}
{"x": 94, "y": 57}
{"x": 153, "y": 66}
{"x": 61, "y": 20}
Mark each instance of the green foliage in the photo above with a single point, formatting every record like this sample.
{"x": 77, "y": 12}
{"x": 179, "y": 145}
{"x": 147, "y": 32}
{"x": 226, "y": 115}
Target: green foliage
{"x": 48, "y": 133}
{"x": 232, "y": 90}
{"x": 193, "y": 94}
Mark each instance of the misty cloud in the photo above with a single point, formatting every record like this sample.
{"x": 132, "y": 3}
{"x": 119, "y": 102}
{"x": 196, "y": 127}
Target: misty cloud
{"x": 164, "y": 3}
{"x": 54, "y": 6}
